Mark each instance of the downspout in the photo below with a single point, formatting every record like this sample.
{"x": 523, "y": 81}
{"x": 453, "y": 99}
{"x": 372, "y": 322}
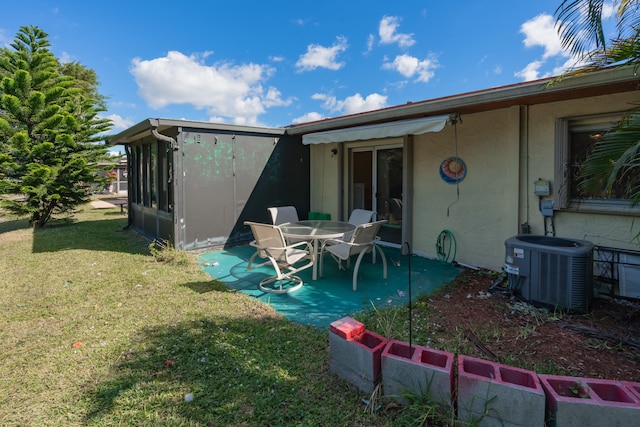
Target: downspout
{"x": 523, "y": 187}
{"x": 161, "y": 137}
{"x": 340, "y": 188}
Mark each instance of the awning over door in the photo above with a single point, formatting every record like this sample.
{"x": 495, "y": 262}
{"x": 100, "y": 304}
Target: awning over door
{"x": 380, "y": 130}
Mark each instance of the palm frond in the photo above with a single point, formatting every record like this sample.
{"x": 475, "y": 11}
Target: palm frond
{"x": 615, "y": 155}
{"x": 580, "y": 27}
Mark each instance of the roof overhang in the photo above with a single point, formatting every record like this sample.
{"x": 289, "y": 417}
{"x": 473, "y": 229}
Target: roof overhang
{"x": 380, "y": 130}
{"x": 608, "y": 81}
{"x": 165, "y": 126}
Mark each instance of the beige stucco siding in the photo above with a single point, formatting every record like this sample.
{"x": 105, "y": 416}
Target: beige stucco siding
{"x": 601, "y": 229}
{"x": 486, "y": 209}
{"x": 324, "y": 179}
{"x": 505, "y": 151}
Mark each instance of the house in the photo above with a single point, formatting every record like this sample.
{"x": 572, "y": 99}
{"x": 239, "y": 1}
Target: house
{"x": 480, "y": 166}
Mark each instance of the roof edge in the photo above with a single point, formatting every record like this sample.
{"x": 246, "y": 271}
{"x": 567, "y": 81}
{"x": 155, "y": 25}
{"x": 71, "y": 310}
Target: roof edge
{"x": 143, "y": 128}
{"x": 454, "y": 103}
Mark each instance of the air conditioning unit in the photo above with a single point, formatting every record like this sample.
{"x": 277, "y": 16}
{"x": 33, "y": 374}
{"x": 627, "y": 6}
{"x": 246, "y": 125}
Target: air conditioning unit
{"x": 551, "y": 271}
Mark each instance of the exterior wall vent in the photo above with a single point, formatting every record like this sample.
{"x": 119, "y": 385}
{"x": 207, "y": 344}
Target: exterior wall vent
{"x": 551, "y": 271}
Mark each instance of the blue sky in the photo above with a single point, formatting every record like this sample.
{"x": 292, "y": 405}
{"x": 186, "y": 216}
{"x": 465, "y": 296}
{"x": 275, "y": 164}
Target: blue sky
{"x": 275, "y": 63}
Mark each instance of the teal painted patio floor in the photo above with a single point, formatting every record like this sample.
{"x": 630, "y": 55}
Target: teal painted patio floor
{"x": 331, "y": 297}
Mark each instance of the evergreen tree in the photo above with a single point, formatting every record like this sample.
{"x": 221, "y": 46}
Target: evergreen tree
{"x": 49, "y": 127}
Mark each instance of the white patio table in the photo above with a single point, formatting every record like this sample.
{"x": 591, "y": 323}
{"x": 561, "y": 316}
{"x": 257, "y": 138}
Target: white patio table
{"x": 315, "y": 231}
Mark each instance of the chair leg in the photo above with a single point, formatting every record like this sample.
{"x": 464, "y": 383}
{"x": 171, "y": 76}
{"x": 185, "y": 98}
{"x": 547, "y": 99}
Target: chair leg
{"x": 355, "y": 270}
{"x": 384, "y": 260}
{"x": 357, "y": 266}
{"x": 251, "y": 260}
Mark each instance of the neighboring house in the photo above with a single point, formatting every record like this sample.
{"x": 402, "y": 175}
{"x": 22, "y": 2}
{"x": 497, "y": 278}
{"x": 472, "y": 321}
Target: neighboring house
{"x": 117, "y": 173}
{"x": 195, "y": 183}
{"x": 120, "y": 184}
{"x": 483, "y": 165}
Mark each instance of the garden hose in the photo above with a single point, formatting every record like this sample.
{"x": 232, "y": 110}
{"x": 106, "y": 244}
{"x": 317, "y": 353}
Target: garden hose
{"x": 446, "y": 247}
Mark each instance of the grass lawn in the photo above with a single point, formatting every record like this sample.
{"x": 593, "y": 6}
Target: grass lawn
{"x": 96, "y": 331}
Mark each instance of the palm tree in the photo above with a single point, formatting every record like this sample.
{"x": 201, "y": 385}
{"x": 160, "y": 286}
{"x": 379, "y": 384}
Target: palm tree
{"x": 616, "y": 154}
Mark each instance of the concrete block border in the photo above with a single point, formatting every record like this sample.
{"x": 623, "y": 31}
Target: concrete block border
{"x": 482, "y": 392}
{"x": 494, "y": 394}
{"x": 357, "y": 360}
{"x": 573, "y": 401}
{"x": 417, "y": 370}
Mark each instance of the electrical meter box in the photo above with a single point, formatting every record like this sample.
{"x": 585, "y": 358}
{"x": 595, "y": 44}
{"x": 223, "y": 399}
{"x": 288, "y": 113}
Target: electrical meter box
{"x": 541, "y": 188}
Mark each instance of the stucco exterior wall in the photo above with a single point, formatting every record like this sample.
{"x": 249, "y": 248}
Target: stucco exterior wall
{"x": 601, "y": 229}
{"x": 505, "y": 151}
{"x": 486, "y": 209}
{"x": 323, "y": 190}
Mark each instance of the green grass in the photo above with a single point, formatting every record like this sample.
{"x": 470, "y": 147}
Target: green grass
{"x": 97, "y": 331}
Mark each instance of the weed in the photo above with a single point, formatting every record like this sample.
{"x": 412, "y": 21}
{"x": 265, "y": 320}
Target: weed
{"x": 163, "y": 251}
{"x": 579, "y": 390}
{"x": 526, "y": 331}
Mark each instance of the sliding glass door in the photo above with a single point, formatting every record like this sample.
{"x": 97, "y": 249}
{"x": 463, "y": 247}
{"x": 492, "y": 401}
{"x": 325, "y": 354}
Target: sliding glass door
{"x": 376, "y": 184}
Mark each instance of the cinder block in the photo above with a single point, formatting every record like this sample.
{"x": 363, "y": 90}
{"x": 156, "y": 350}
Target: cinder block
{"x": 575, "y": 401}
{"x": 492, "y": 394}
{"x": 417, "y": 371}
{"x": 357, "y": 360}
{"x": 347, "y": 328}
{"x": 633, "y": 387}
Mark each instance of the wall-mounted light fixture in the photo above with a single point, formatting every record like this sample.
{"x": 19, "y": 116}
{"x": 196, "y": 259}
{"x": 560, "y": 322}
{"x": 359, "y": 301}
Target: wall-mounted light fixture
{"x": 334, "y": 151}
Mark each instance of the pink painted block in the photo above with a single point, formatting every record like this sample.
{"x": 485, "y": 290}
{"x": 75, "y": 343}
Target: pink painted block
{"x": 633, "y": 387}
{"x": 488, "y": 392}
{"x": 357, "y": 360}
{"x": 347, "y": 328}
{"x": 374, "y": 343}
{"x": 575, "y": 401}
{"x": 419, "y": 371}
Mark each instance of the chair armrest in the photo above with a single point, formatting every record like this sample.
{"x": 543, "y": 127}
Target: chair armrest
{"x": 301, "y": 243}
{"x": 331, "y": 242}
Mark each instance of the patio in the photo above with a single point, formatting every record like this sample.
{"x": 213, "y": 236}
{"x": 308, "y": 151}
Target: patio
{"x": 320, "y": 302}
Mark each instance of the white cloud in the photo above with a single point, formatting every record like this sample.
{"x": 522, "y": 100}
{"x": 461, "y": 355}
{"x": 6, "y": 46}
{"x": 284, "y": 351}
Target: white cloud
{"x": 387, "y": 31}
{"x": 5, "y": 41}
{"x": 119, "y": 122}
{"x": 352, "y": 104}
{"x": 370, "y": 39}
{"x": 410, "y": 66}
{"x": 318, "y": 56}
{"x": 609, "y": 9}
{"x": 222, "y": 89}
{"x": 309, "y": 117}
{"x": 530, "y": 72}
{"x": 542, "y": 32}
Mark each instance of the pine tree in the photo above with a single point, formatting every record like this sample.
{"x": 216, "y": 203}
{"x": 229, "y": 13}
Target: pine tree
{"x": 49, "y": 127}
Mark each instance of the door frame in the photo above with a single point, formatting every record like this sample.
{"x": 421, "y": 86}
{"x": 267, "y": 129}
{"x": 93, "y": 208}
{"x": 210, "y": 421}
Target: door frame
{"x": 406, "y": 143}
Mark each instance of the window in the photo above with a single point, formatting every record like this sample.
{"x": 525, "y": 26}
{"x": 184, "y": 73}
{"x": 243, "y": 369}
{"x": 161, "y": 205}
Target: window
{"x": 152, "y": 169}
{"x": 575, "y": 137}
{"x": 165, "y": 170}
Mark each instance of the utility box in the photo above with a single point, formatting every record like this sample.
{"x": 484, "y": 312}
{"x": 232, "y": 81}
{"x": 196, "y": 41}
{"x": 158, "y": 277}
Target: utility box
{"x": 551, "y": 271}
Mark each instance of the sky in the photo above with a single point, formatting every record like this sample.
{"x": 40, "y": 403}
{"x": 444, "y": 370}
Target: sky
{"x": 276, "y": 63}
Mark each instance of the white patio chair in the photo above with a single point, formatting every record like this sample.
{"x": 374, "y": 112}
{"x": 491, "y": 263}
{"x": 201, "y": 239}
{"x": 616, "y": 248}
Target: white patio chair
{"x": 357, "y": 217}
{"x": 285, "y": 259}
{"x": 282, "y": 214}
{"x": 362, "y": 241}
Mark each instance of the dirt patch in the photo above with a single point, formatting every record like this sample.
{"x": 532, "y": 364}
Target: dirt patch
{"x": 604, "y": 343}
